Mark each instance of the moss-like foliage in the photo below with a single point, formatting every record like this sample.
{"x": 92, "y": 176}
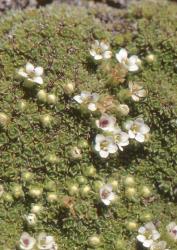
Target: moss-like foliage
{"x": 58, "y": 39}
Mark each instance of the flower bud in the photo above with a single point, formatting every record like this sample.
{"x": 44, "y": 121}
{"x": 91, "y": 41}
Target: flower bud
{"x": 114, "y": 183}
{"x": 51, "y": 99}
{"x": 36, "y": 208}
{"x": 22, "y": 105}
{"x": 129, "y": 181}
{"x": 139, "y": 62}
{"x": 8, "y": 197}
{"x": 73, "y": 189}
{"x": 76, "y": 153}
{"x": 131, "y": 225}
{"x": 85, "y": 190}
{"x": 98, "y": 185}
{"x": 150, "y": 58}
{"x": 146, "y": 217}
{"x": 30, "y": 219}
{"x": 17, "y": 191}
{"x": 52, "y": 197}
{"x": 130, "y": 192}
{"x": 123, "y": 109}
{"x": 94, "y": 241}
{"x": 46, "y": 120}
{"x": 1, "y": 190}
{"x": 35, "y": 192}
{"x": 42, "y": 95}
{"x": 52, "y": 158}
{"x": 69, "y": 88}
{"x": 120, "y": 245}
{"x": 83, "y": 144}
{"x": 90, "y": 171}
{"x": 27, "y": 176}
{"x": 81, "y": 180}
{"x": 4, "y": 120}
{"x": 50, "y": 185}
{"x": 146, "y": 192}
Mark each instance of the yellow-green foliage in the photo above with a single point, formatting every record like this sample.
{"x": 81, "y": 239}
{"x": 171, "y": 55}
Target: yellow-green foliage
{"x": 58, "y": 39}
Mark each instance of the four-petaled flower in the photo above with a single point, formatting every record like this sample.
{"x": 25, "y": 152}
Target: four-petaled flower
{"x": 137, "y": 129}
{"x": 131, "y": 63}
{"x": 172, "y": 230}
{"x": 106, "y": 122}
{"x": 136, "y": 91}
{"x": 148, "y": 234}
{"x": 46, "y": 242}
{"x": 161, "y": 245}
{"x": 88, "y": 99}
{"x": 26, "y": 242}
{"x": 31, "y": 73}
{"x": 106, "y": 194}
{"x": 100, "y": 50}
{"x": 105, "y": 145}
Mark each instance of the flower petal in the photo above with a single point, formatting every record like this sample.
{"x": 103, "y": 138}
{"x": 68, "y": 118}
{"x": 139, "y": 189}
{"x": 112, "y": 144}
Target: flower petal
{"x": 142, "y": 230}
{"x": 22, "y": 73}
{"x": 29, "y": 68}
{"x": 112, "y": 148}
{"x": 139, "y": 137}
{"x": 131, "y": 134}
{"x": 78, "y": 99}
{"x": 38, "y": 71}
{"x": 121, "y": 55}
{"x": 128, "y": 124}
{"x": 141, "y": 238}
{"x": 144, "y": 129}
{"x": 92, "y": 106}
{"x": 104, "y": 154}
{"x": 104, "y": 46}
{"x": 98, "y": 57}
{"x": 155, "y": 235}
{"x": 147, "y": 243}
{"x": 99, "y": 138}
{"x": 135, "y": 98}
{"x": 107, "y": 54}
{"x": 38, "y": 80}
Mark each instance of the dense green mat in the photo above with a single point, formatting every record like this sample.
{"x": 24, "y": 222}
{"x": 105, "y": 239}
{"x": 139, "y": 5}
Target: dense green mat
{"x": 58, "y": 39}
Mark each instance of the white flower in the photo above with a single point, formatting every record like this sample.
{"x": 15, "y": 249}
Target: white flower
{"x": 172, "y": 230}
{"x": 137, "y": 129}
{"x": 105, "y": 145}
{"x": 31, "y": 219}
{"x": 100, "y": 50}
{"x": 26, "y": 242}
{"x": 106, "y": 122}
{"x": 106, "y": 194}
{"x": 120, "y": 138}
{"x": 31, "y": 73}
{"x": 46, "y": 242}
{"x": 88, "y": 99}
{"x": 161, "y": 245}
{"x": 148, "y": 234}
{"x": 131, "y": 63}
{"x": 136, "y": 91}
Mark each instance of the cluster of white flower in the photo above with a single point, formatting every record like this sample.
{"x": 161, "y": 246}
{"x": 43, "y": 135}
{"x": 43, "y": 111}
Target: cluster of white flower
{"x": 43, "y": 242}
{"x": 113, "y": 138}
{"x": 101, "y": 50}
{"x": 148, "y": 236}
